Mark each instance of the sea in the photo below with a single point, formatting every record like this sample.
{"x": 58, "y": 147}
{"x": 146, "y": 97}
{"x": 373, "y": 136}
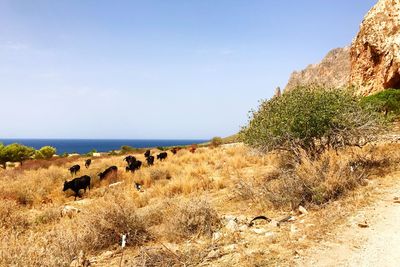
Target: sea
{"x": 82, "y": 146}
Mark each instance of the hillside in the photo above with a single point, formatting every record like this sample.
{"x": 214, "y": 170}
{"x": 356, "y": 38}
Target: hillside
{"x": 371, "y": 63}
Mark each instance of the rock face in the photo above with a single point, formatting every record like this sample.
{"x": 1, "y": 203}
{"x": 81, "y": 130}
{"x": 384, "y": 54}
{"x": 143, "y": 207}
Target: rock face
{"x": 375, "y": 52}
{"x": 333, "y": 71}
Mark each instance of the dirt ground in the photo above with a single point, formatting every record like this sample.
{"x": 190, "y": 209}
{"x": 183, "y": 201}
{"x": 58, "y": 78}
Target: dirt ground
{"x": 369, "y": 238}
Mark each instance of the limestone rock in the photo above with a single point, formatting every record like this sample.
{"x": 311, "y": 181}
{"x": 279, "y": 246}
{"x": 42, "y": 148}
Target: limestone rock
{"x": 375, "y": 52}
{"x": 333, "y": 71}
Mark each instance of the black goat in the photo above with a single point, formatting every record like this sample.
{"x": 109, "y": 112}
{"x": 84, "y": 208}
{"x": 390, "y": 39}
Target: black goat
{"x": 74, "y": 169}
{"x": 87, "y": 163}
{"x": 134, "y": 166}
{"x": 78, "y": 184}
{"x": 108, "y": 171}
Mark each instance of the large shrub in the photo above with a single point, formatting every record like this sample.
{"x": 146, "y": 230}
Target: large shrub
{"x": 311, "y": 119}
{"x": 15, "y": 153}
{"x": 386, "y": 102}
{"x": 45, "y": 152}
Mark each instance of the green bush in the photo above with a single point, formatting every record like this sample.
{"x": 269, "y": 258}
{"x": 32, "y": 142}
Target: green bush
{"x": 90, "y": 153}
{"x": 310, "y": 119}
{"x": 46, "y": 152}
{"x": 217, "y": 141}
{"x": 386, "y": 102}
{"x": 127, "y": 149}
{"x": 15, "y": 153}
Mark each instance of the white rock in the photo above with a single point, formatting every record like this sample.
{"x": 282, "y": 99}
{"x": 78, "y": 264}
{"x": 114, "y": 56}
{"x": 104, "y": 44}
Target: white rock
{"x": 232, "y": 226}
{"x": 69, "y": 211}
{"x": 216, "y": 236}
{"x": 303, "y": 210}
{"x": 243, "y": 228}
{"x": 259, "y": 231}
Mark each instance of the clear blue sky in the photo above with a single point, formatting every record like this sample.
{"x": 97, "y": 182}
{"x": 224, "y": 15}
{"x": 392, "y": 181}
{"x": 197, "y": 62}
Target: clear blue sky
{"x": 156, "y": 69}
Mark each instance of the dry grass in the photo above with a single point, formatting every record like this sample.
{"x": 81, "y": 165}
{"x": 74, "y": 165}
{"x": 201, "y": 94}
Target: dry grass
{"x": 191, "y": 218}
{"x": 180, "y": 201}
{"x": 317, "y": 181}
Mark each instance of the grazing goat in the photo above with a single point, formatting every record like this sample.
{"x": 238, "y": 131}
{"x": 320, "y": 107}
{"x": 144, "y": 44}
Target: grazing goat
{"x": 162, "y": 156}
{"x": 134, "y": 166}
{"x": 108, "y": 171}
{"x": 78, "y": 184}
{"x": 74, "y": 169}
{"x": 150, "y": 160}
{"x": 130, "y": 159}
{"x": 87, "y": 163}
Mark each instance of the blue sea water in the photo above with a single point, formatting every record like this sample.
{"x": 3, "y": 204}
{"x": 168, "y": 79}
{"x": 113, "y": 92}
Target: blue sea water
{"x": 82, "y": 146}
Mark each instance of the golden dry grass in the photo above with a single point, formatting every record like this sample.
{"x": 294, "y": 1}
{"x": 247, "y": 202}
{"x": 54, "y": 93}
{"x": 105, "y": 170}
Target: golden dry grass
{"x": 183, "y": 199}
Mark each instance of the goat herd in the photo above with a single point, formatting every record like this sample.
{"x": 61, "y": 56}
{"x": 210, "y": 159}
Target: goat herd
{"x": 83, "y": 182}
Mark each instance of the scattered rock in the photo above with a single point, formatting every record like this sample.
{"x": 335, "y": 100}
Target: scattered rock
{"x": 243, "y": 228}
{"x": 216, "y": 236}
{"x": 303, "y": 210}
{"x": 230, "y": 248}
{"x": 232, "y": 226}
{"x": 293, "y": 230}
{"x": 213, "y": 254}
{"x": 259, "y": 231}
{"x": 69, "y": 211}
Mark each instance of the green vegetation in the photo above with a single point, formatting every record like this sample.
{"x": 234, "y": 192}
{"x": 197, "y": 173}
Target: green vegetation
{"x": 386, "y": 102}
{"x": 46, "y": 152}
{"x": 127, "y": 149}
{"x": 90, "y": 153}
{"x": 15, "y": 153}
{"x": 217, "y": 141}
{"x": 312, "y": 119}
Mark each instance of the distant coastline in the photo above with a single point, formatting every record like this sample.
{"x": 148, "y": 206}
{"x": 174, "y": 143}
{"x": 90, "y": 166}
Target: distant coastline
{"x": 82, "y": 146}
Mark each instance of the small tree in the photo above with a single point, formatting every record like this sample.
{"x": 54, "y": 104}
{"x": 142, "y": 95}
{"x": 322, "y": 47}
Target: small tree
{"x": 217, "y": 141}
{"x": 310, "y": 119}
{"x": 45, "y": 152}
{"x": 15, "y": 153}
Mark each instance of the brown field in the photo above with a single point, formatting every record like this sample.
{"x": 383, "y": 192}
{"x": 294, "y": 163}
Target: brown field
{"x": 193, "y": 209}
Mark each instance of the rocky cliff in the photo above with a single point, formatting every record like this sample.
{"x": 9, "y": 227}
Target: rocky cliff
{"x": 371, "y": 64}
{"x": 375, "y": 52}
{"x": 332, "y": 71}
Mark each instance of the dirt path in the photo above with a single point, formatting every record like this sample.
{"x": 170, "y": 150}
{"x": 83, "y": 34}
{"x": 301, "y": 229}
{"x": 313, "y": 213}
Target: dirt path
{"x": 353, "y": 245}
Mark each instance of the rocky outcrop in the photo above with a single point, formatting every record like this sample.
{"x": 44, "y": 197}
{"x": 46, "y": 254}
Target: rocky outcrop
{"x": 375, "y": 52}
{"x": 333, "y": 71}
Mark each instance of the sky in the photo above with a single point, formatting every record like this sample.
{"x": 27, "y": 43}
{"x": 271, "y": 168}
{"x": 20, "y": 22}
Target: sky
{"x": 176, "y": 69}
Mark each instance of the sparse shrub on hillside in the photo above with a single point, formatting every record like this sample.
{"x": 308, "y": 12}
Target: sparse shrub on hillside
{"x": 386, "y": 102}
{"x": 46, "y": 152}
{"x": 217, "y": 141}
{"x": 160, "y": 174}
{"x": 103, "y": 225}
{"x": 316, "y": 181}
{"x": 127, "y": 149}
{"x": 11, "y": 216}
{"x": 190, "y": 218}
{"x": 312, "y": 119}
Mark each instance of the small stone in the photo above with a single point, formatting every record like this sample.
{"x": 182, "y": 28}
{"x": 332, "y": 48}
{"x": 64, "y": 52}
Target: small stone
{"x": 259, "y": 231}
{"x": 216, "y": 236}
{"x": 274, "y": 223}
{"x": 232, "y": 226}
{"x": 303, "y": 210}
{"x": 230, "y": 248}
{"x": 293, "y": 230}
{"x": 213, "y": 254}
{"x": 243, "y": 228}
